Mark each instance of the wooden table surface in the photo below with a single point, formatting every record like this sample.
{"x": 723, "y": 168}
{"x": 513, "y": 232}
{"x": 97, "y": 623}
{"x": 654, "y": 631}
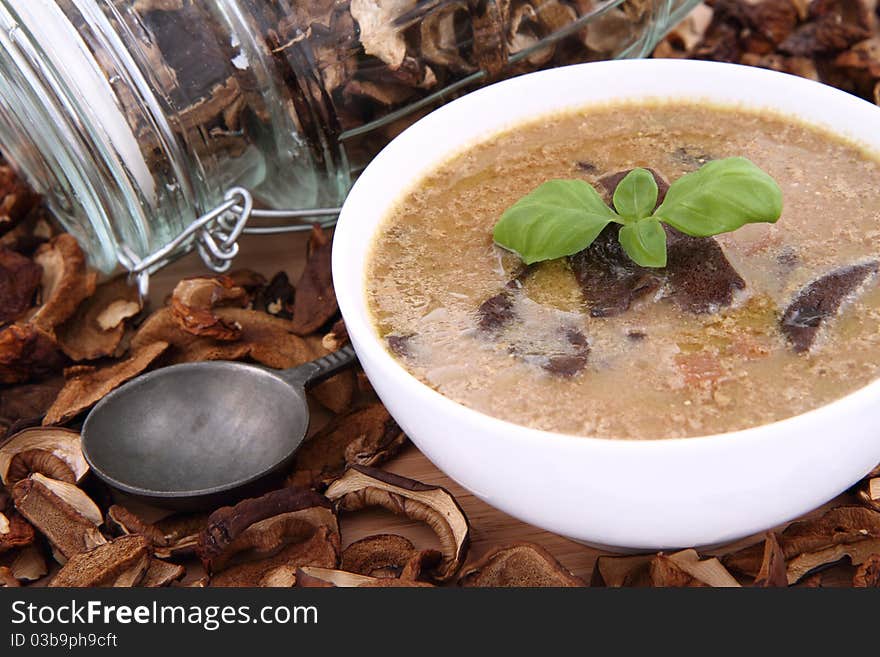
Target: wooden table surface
{"x": 490, "y": 527}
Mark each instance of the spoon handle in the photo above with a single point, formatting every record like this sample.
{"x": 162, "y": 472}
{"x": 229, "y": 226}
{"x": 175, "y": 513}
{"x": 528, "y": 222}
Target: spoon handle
{"x": 317, "y": 370}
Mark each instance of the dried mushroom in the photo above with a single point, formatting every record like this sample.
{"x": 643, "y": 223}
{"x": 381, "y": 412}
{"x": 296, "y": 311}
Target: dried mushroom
{"x": 27, "y": 403}
{"x": 388, "y": 555}
{"x": 772, "y": 572}
{"x": 122, "y": 562}
{"x": 161, "y": 573}
{"x": 15, "y": 531}
{"x": 27, "y": 352}
{"x": 337, "y": 392}
{"x": 315, "y": 298}
{"x": 630, "y": 571}
{"x": 847, "y": 531}
{"x": 364, "y": 436}
{"x": 87, "y": 385}
{"x": 869, "y": 492}
{"x": 686, "y": 569}
{"x": 61, "y": 512}
{"x": 19, "y": 279}
{"x": 194, "y": 299}
{"x": 7, "y": 579}
{"x": 29, "y": 564}
{"x": 287, "y": 527}
{"x": 361, "y": 487}
{"x": 519, "y": 565}
{"x": 172, "y": 537}
{"x": 66, "y": 281}
{"x": 97, "y": 327}
{"x": 53, "y": 452}
{"x": 336, "y": 338}
{"x": 16, "y": 198}
{"x": 317, "y": 577}
{"x": 868, "y": 573}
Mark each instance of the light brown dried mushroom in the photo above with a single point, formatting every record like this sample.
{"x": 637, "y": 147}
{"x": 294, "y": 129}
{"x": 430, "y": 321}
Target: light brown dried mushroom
{"x": 161, "y": 573}
{"x": 869, "y": 492}
{"x": 97, "y": 327}
{"x": 87, "y": 385}
{"x": 194, "y": 299}
{"x": 53, "y": 452}
{"x": 173, "y": 537}
{"x": 364, "y": 436}
{"x": 258, "y": 528}
{"x": 318, "y": 577}
{"x": 361, "y": 487}
{"x": 66, "y": 281}
{"x": 15, "y": 531}
{"x": 847, "y": 531}
{"x": 772, "y": 572}
{"x": 687, "y": 569}
{"x": 683, "y": 39}
{"x": 61, "y": 512}
{"x": 519, "y": 565}
{"x": 121, "y": 562}
{"x": 629, "y": 571}
{"x": 27, "y": 352}
{"x": 16, "y": 198}
{"x": 379, "y": 34}
{"x": 29, "y": 564}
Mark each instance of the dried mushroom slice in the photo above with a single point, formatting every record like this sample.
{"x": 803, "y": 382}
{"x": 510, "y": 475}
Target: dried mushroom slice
{"x": 16, "y": 198}
{"x": 121, "y": 562}
{"x": 686, "y": 569}
{"x": 364, "y": 436}
{"x": 19, "y": 279}
{"x": 318, "y": 577}
{"x": 61, "y": 512}
{"x": 337, "y": 392}
{"x": 29, "y": 564}
{"x": 869, "y": 493}
{"x": 319, "y": 549}
{"x": 15, "y": 531}
{"x": 66, "y": 281}
{"x": 379, "y": 34}
{"x": 258, "y": 528}
{"x": 7, "y": 579}
{"x": 194, "y": 299}
{"x": 86, "y": 386}
{"x": 97, "y": 327}
{"x": 519, "y": 565}
{"x": 315, "y": 297}
{"x": 28, "y": 402}
{"x": 161, "y": 573}
{"x": 27, "y": 352}
{"x": 772, "y": 572}
{"x": 361, "y": 487}
{"x": 868, "y": 573}
{"x": 846, "y": 531}
{"x": 615, "y": 572}
{"x": 173, "y": 537}
{"x": 53, "y": 452}
{"x": 388, "y": 555}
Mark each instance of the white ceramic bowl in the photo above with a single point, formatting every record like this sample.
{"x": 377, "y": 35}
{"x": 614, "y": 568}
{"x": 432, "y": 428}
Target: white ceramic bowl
{"x": 627, "y": 494}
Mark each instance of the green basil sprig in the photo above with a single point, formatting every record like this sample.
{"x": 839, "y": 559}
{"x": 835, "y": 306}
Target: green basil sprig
{"x": 562, "y": 217}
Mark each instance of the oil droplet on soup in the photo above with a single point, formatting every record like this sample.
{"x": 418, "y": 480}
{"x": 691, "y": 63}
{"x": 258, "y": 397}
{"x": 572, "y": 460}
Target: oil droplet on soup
{"x": 654, "y": 371}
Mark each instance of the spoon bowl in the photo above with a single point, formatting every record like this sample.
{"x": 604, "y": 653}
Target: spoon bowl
{"x": 194, "y": 435}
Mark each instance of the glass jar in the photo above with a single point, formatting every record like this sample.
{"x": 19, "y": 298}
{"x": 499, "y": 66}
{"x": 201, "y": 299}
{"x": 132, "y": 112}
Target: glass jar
{"x": 134, "y": 117}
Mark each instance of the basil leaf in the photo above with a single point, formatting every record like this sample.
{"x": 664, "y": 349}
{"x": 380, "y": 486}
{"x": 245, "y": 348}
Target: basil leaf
{"x": 645, "y": 242}
{"x": 721, "y": 196}
{"x": 636, "y": 195}
{"x": 559, "y": 218}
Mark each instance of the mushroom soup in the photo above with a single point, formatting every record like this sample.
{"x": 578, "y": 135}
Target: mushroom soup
{"x": 735, "y": 331}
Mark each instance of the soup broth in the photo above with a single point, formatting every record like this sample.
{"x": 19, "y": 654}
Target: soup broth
{"x": 658, "y": 368}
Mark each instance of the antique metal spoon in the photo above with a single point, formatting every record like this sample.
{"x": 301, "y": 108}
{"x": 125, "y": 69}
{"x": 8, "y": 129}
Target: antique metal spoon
{"x": 195, "y": 435}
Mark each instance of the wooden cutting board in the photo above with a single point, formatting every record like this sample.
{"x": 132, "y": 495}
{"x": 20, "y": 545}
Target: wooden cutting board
{"x": 490, "y": 527}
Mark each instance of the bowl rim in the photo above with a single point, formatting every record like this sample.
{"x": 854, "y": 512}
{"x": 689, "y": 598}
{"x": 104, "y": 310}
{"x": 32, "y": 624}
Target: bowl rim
{"x": 365, "y": 337}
